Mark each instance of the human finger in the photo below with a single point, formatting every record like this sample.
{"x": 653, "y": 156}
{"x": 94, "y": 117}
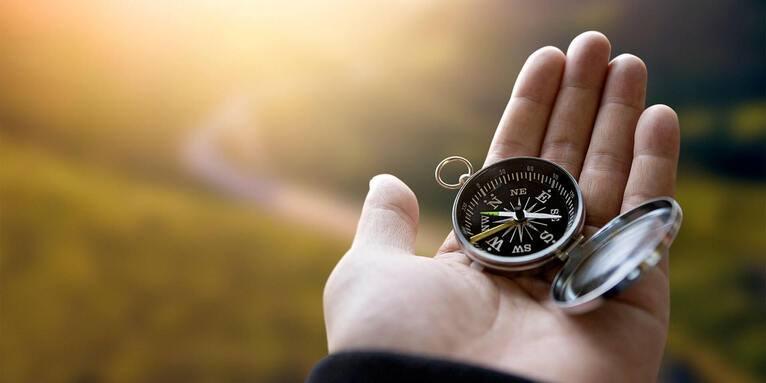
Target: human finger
{"x": 655, "y": 157}
{"x": 574, "y": 111}
{"x": 389, "y": 217}
{"x": 610, "y": 152}
{"x": 522, "y": 125}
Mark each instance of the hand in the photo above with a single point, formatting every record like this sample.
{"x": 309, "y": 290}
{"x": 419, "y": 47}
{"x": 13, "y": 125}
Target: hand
{"x": 586, "y": 114}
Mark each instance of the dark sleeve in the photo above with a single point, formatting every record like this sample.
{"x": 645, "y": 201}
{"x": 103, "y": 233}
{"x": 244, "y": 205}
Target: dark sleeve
{"x": 380, "y": 367}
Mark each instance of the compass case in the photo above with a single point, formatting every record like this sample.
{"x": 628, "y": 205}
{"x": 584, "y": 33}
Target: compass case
{"x": 617, "y": 255}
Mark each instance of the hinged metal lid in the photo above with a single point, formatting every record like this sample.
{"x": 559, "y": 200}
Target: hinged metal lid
{"x": 617, "y": 255}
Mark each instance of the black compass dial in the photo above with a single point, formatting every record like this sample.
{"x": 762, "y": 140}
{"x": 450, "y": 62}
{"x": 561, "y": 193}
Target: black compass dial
{"x": 517, "y": 207}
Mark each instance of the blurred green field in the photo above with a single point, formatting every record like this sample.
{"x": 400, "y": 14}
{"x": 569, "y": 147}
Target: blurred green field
{"x": 718, "y": 275}
{"x": 104, "y": 277}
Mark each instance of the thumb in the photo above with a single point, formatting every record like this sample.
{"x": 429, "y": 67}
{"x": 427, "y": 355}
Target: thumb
{"x": 389, "y": 216}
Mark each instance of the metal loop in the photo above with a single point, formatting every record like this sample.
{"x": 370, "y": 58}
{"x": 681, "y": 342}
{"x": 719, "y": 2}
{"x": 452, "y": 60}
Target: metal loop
{"x": 462, "y": 178}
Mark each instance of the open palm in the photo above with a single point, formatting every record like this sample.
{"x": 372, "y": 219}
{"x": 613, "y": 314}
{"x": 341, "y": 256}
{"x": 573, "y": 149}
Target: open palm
{"x": 586, "y": 114}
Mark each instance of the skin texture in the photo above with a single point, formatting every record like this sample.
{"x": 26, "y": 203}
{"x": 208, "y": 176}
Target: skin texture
{"x": 585, "y": 113}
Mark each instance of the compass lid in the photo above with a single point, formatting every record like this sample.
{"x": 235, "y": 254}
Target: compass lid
{"x": 617, "y": 255}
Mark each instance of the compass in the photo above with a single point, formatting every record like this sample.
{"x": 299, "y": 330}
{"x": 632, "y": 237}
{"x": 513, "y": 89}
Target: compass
{"x": 526, "y": 214}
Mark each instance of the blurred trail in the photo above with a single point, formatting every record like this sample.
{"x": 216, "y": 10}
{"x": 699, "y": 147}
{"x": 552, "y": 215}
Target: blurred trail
{"x": 313, "y": 210}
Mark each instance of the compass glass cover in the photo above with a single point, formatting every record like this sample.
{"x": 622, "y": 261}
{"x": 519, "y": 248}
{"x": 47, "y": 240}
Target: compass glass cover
{"x": 624, "y": 251}
{"x": 619, "y": 253}
{"x": 517, "y": 207}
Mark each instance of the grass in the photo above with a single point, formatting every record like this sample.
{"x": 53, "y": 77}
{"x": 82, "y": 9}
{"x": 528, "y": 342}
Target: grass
{"x": 104, "y": 278}
{"x": 718, "y": 276}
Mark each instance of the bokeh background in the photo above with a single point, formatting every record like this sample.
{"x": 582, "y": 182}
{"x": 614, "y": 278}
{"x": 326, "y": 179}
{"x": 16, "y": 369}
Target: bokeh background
{"x": 177, "y": 179}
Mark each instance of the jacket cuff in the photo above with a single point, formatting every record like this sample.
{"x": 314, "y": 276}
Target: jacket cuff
{"x": 380, "y": 367}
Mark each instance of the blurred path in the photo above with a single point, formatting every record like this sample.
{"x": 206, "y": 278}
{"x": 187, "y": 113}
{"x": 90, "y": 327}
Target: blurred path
{"x": 317, "y": 210}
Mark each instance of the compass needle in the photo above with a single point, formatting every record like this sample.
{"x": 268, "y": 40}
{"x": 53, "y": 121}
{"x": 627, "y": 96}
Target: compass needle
{"x": 542, "y": 215}
{"x": 490, "y": 231}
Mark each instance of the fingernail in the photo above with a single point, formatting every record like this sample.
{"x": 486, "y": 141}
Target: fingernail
{"x": 373, "y": 181}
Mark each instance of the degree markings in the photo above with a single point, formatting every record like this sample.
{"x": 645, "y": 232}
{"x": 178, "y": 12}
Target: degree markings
{"x": 509, "y": 177}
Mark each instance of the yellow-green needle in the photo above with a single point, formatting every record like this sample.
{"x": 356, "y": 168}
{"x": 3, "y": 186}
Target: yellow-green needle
{"x": 488, "y": 232}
